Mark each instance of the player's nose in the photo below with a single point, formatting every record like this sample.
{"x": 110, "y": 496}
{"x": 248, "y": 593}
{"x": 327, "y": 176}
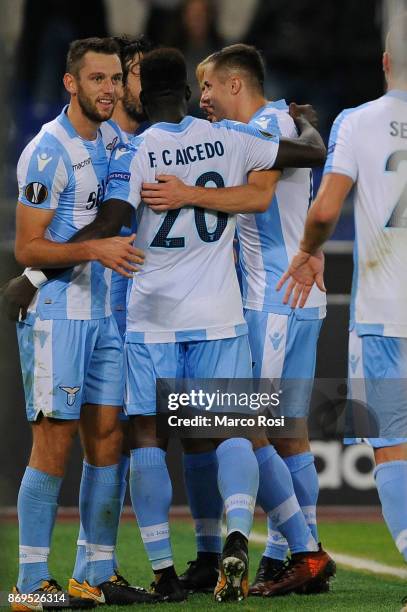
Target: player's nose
{"x": 108, "y": 86}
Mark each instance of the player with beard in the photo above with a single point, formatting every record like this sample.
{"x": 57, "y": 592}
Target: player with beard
{"x": 70, "y": 348}
{"x": 129, "y": 120}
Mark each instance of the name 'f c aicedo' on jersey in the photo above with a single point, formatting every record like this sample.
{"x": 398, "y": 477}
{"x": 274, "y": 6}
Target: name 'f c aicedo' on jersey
{"x": 369, "y": 144}
{"x": 58, "y": 170}
{"x": 187, "y": 289}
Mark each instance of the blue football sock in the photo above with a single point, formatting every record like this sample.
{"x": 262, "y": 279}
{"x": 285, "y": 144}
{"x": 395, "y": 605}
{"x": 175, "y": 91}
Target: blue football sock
{"x": 37, "y": 507}
{"x": 99, "y": 504}
{"x": 151, "y": 495}
{"x": 124, "y": 465}
{"x": 391, "y": 482}
{"x": 284, "y": 516}
{"x": 306, "y": 486}
{"x": 238, "y": 481}
{"x": 205, "y": 501}
{"x": 79, "y": 570}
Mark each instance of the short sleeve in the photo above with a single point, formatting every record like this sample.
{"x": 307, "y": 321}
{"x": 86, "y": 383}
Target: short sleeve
{"x": 341, "y": 157}
{"x": 126, "y": 172}
{"x": 260, "y": 146}
{"x": 42, "y": 175}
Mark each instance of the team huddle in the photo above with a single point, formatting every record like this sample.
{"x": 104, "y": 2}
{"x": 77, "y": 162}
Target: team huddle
{"x": 131, "y": 277}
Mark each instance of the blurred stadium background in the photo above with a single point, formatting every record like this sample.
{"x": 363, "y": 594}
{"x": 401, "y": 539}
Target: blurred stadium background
{"x": 324, "y": 53}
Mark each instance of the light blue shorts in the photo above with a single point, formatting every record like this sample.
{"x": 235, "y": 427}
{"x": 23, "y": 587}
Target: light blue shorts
{"x": 285, "y": 347}
{"x": 225, "y": 358}
{"x": 67, "y": 363}
{"x": 377, "y": 372}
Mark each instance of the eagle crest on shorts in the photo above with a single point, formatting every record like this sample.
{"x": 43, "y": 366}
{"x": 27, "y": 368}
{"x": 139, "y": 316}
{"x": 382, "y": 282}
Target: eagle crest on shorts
{"x": 70, "y": 394}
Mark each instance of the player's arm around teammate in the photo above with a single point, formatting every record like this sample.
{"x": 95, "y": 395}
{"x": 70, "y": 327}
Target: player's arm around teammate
{"x": 71, "y": 353}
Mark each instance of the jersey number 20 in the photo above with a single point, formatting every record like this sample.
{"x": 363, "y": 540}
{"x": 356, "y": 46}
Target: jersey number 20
{"x": 162, "y": 239}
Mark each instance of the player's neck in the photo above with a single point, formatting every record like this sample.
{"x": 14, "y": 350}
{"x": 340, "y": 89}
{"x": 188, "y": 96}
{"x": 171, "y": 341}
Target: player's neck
{"x": 85, "y": 127}
{"x": 248, "y": 107}
{"x": 167, "y": 115}
{"x": 396, "y": 84}
{"x": 125, "y": 123}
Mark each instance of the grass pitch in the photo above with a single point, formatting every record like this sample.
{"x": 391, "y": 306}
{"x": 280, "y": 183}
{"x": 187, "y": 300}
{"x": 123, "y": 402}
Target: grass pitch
{"x": 352, "y": 591}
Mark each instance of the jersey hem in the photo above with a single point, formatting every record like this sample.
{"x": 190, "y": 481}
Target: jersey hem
{"x": 74, "y": 315}
{"x": 312, "y": 312}
{"x": 177, "y": 336}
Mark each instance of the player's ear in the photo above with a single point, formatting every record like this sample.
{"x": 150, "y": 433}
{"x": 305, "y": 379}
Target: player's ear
{"x": 188, "y": 93}
{"x": 235, "y": 85}
{"x": 386, "y": 62}
{"x": 70, "y": 83}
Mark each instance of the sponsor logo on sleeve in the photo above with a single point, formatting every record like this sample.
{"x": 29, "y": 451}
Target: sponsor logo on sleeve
{"x": 36, "y": 193}
{"x": 119, "y": 176}
{"x": 331, "y": 148}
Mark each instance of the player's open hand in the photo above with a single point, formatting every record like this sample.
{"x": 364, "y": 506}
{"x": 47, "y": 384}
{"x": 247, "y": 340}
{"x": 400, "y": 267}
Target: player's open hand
{"x": 304, "y": 111}
{"x": 15, "y": 298}
{"x": 303, "y": 272}
{"x": 118, "y": 254}
{"x": 168, "y": 194}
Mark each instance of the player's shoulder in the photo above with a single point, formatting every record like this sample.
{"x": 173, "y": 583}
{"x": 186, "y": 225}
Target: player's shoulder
{"x": 353, "y": 116}
{"x": 274, "y": 118}
{"x": 46, "y": 152}
{"x": 245, "y": 129}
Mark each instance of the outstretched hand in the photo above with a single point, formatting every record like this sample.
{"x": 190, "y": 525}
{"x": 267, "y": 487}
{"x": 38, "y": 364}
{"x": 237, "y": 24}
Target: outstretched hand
{"x": 168, "y": 194}
{"x": 304, "y": 271}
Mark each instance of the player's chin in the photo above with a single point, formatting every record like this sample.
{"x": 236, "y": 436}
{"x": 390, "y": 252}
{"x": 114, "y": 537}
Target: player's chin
{"x": 105, "y": 110}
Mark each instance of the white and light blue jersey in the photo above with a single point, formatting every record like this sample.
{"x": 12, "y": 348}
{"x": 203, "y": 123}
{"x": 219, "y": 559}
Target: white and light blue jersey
{"x": 187, "y": 288}
{"x": 269, "y": 240}
{"x": 60, "y": 171}
{"x": 118, "y": 288}
{"x": 369, "y": 144}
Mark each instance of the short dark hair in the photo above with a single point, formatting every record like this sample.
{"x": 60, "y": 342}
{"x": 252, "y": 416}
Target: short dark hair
{"x": 396, "y": 43}
{"x": 163, "y": 72}
{"x": 241, "y": 57}
{"x": 128, "y": 48}
{"x": 79, "y": 48}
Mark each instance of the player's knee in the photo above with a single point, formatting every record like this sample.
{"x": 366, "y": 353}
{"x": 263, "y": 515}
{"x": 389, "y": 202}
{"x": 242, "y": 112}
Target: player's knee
{"x": 390, "y": 453}
{"x": 286, "y": 447}
{"x": 144, "y": 433}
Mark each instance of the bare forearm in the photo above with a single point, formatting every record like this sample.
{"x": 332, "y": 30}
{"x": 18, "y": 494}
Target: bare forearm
{"x": 41, "y": 252}
{"x": 232, "y": 200}
{"x": 104, "y": 226}
{"x": 307, "y": 151}
{"x": 316, "y": 232}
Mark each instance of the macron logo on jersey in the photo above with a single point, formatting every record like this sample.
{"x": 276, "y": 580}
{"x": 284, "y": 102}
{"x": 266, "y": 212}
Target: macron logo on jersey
{"x": 262, "y": 122}
{"x": 43, "y": 160}
{"x": 122, "y": 151}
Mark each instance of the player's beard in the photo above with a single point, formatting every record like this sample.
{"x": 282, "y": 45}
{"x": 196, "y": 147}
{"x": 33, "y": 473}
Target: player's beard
{"x": 90, "y": 109}
{"x": 133, "y": 107}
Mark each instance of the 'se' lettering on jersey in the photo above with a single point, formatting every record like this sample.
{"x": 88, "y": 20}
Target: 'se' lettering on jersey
{"x": 187, "y": 288}
{"x": 369, "y": 144}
